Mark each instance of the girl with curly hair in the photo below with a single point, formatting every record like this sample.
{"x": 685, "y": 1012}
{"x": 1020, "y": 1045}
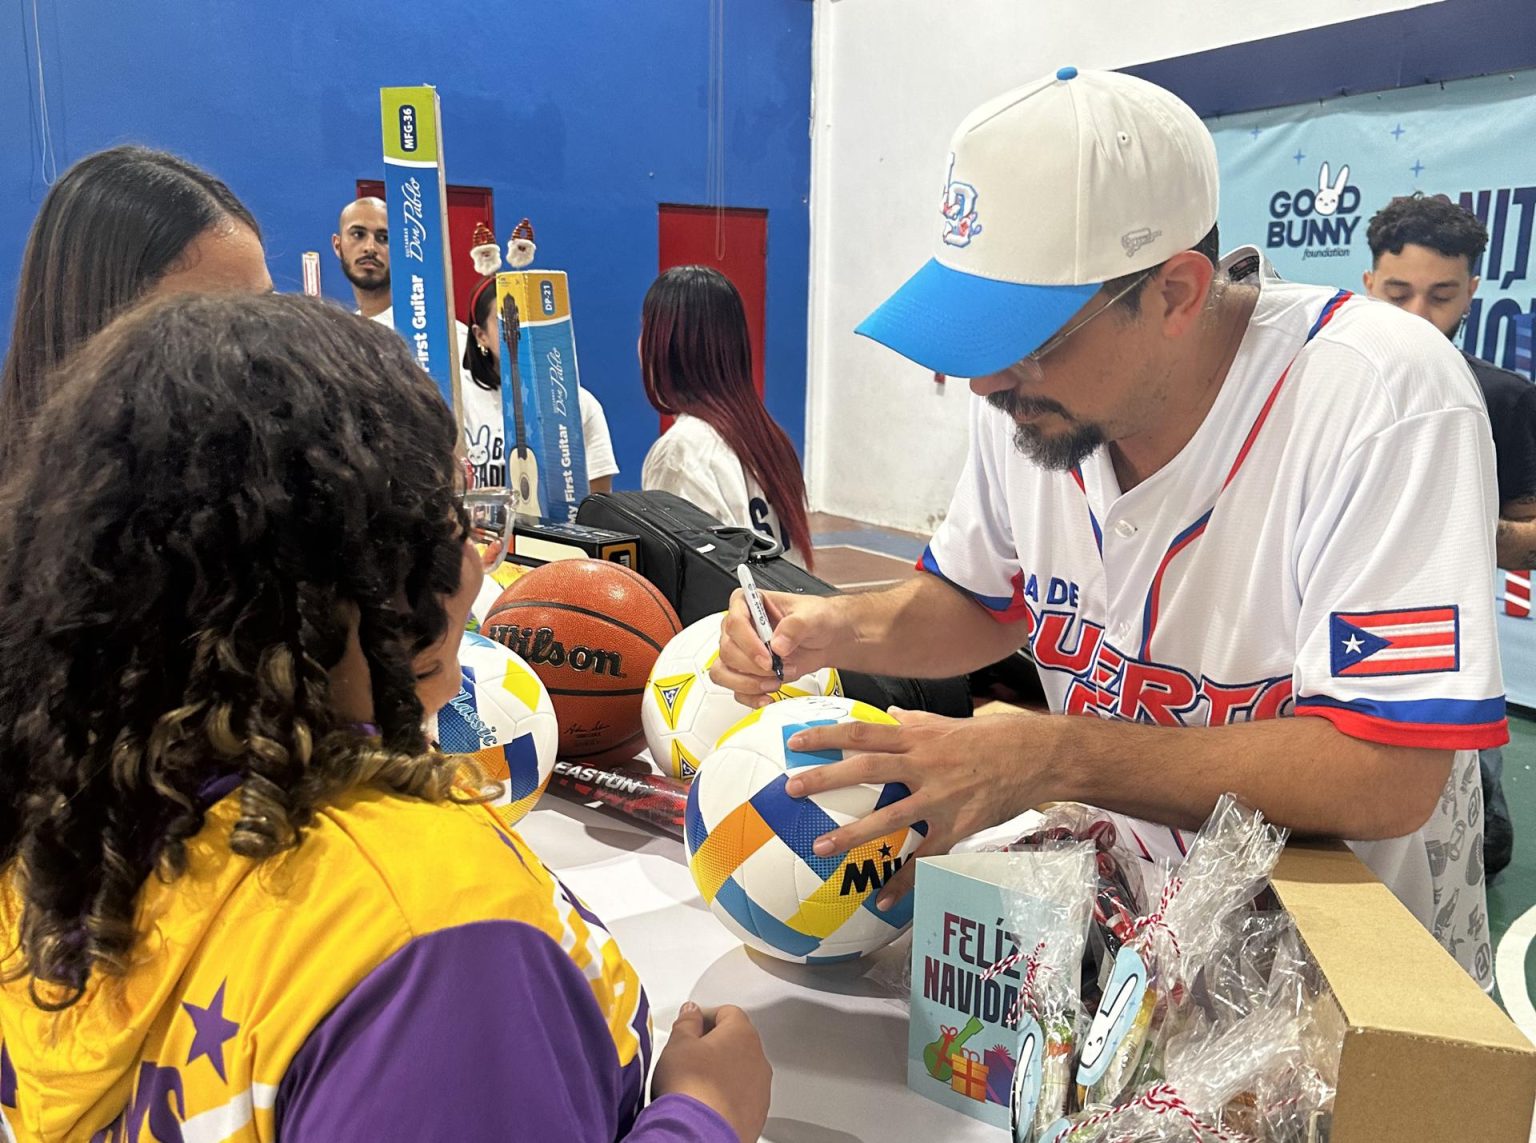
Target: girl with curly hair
{"x": 242, "y": 896}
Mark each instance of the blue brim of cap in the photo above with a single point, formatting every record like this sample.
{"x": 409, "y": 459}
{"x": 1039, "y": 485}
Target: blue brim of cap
{"x": 964, "y": 326}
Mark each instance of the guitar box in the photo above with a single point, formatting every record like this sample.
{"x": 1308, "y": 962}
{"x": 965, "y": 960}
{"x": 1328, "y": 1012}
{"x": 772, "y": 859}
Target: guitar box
{"x": 540, "y": 385}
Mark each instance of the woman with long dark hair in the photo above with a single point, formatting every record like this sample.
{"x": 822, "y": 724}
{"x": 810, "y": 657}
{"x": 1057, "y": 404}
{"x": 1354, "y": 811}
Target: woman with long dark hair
{"x": 482, "y": 361}
{"x": 723, "y": 451}
{"x": 119, "y": 225}
{"x": 238, "y": 886}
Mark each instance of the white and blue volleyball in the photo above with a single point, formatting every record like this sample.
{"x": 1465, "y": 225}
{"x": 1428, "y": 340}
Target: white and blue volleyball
{"x": 503, "y": 720}
{"x": 749, "y": 842}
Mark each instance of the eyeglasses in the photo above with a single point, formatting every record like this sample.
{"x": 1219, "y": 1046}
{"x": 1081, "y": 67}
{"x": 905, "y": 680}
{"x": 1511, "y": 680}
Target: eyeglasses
{"x": 490, "y": 513}
{"x": 1053, "y": 343}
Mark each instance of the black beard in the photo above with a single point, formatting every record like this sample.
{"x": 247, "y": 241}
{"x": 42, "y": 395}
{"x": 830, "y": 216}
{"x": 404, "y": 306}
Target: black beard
{"x": 1058, "y": 453}
{"x": 364, "y": 283}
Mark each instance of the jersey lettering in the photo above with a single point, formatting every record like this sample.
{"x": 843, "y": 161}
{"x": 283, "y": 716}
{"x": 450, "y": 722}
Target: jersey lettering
{"x": 1113, "y": 684}
{"x": 758, "y": 507}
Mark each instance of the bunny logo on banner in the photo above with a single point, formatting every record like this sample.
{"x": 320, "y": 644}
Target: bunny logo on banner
{"x": 1321, "y": 221}
{"x": 1329, "y": 193}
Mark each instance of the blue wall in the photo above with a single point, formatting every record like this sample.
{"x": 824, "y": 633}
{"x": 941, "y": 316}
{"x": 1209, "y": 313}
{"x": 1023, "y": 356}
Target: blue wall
{"x": 582, "y": 115}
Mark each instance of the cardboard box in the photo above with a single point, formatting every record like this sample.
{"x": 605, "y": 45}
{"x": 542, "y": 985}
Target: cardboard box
{"x": 540, "y": 385}
{"x": 1427, "y": 1056}
{"x": 416, "y": 189}
{"x": 537, "y": 542}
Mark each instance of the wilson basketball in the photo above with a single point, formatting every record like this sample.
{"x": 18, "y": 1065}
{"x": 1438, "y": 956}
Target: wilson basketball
{"x": 591, "y": 631}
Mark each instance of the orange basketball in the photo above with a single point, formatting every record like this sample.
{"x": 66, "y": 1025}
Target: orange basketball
{"x": 591, "y": 631}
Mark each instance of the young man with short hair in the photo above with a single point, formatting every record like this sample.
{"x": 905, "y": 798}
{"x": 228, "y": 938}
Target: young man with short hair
{"x": 1423, "y": 250}
{"x": 361, "y": 245}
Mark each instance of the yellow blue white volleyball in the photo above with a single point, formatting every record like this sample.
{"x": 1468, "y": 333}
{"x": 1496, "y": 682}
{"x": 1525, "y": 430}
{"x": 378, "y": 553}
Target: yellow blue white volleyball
{"x": 749, "y": 842}
{"x": 501, "y": 718}
{"x": 685, "y": 712}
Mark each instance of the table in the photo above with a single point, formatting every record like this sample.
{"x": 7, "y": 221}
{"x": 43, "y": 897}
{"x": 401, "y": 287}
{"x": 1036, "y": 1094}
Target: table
{"x": 836, "y": 1035}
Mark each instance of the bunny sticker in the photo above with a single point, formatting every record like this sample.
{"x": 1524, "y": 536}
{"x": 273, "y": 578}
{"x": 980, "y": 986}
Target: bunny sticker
{"x": 479, "y": 446}
{"x": 1319, "y": 219}
{"x": 1027, "y": 1078}
{"x": 1329, "y": 193}
{"x": 1112, "y": 1022}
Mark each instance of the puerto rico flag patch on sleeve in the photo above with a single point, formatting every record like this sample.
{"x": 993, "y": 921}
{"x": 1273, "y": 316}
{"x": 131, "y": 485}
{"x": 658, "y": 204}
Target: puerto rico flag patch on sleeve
{"x": 1421, "y": 641}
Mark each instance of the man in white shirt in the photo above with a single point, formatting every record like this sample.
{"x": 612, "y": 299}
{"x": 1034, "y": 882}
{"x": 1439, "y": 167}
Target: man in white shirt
{"x": 362, "y": 248}
{"x": 1206, "y": 506}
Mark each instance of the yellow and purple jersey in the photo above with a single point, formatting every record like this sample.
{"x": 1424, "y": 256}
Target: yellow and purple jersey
{"x": 410, "y": 971}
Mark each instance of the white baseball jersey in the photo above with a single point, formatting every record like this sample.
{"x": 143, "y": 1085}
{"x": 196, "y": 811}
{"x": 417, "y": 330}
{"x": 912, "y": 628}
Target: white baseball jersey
{"x": 692, "y": 460}
{"x": 1322, "y": 546}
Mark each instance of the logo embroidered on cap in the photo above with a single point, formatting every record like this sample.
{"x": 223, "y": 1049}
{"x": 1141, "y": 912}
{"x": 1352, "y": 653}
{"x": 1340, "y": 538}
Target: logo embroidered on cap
{"x": 1134, "y": 240}
{"x": 960, "y": 225}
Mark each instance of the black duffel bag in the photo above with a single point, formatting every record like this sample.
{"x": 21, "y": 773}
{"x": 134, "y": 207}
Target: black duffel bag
{"x": 692, "y": 558}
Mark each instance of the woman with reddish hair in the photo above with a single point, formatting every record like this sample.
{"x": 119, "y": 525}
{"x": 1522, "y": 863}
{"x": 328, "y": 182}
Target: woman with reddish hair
{"x": 723, "y": 451}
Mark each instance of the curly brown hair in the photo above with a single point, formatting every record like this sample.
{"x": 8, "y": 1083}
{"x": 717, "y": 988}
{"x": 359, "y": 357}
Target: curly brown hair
{"x": 218, "y": 489}
{"x": 1433, "y": 221}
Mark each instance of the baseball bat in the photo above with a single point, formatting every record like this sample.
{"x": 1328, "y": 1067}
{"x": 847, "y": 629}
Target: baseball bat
{"x": 651, "y": 800}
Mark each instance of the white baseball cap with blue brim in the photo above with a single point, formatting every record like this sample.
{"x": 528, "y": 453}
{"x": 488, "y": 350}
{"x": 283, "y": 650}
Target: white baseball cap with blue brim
{"x": 1051, "y": 190}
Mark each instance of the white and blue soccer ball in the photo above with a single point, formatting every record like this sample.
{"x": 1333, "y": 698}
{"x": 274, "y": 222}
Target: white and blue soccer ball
{"x": 685, "y": 712}
{"x": 749, "y": 842}
{"x": 503, "y": 720}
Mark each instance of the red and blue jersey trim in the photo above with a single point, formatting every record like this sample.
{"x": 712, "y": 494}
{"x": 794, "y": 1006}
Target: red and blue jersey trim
{"x": 1189, "y": 535}
{"x": 1098, "y": 533}
{"x": 1432, "y": 724}
{"x": 1154, "y": 595}
{"x": 1003, "y": 608}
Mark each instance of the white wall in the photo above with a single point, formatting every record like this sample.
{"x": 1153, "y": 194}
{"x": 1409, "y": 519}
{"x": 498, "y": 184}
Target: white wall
{"x": 892, "y": 79}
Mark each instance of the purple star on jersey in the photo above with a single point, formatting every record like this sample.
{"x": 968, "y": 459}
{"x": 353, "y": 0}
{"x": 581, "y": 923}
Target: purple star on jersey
{"x": 211, "y": 1031}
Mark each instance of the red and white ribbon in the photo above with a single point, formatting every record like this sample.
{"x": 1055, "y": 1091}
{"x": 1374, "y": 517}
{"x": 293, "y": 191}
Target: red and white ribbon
{"x": 1517, "y": 593}
{"x": 1154, "y": 919}
{"x": 1161, "y": 1099}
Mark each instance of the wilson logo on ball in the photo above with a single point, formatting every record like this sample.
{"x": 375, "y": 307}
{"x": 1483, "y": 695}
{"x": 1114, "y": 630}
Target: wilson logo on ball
{"x": 538, "y": 645}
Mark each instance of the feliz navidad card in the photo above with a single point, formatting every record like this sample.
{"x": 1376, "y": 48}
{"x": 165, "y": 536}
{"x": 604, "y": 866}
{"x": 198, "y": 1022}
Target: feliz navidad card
{"x": 974, "y": 911}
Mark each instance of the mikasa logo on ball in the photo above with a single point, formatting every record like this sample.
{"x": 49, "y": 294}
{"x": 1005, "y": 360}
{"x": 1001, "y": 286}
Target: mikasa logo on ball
{"x": 539, "y": 645}
{"x": 862, "y": 876}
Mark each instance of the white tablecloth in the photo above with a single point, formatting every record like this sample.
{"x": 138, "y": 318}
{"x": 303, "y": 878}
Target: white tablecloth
{"x": 836, "y": 1035}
